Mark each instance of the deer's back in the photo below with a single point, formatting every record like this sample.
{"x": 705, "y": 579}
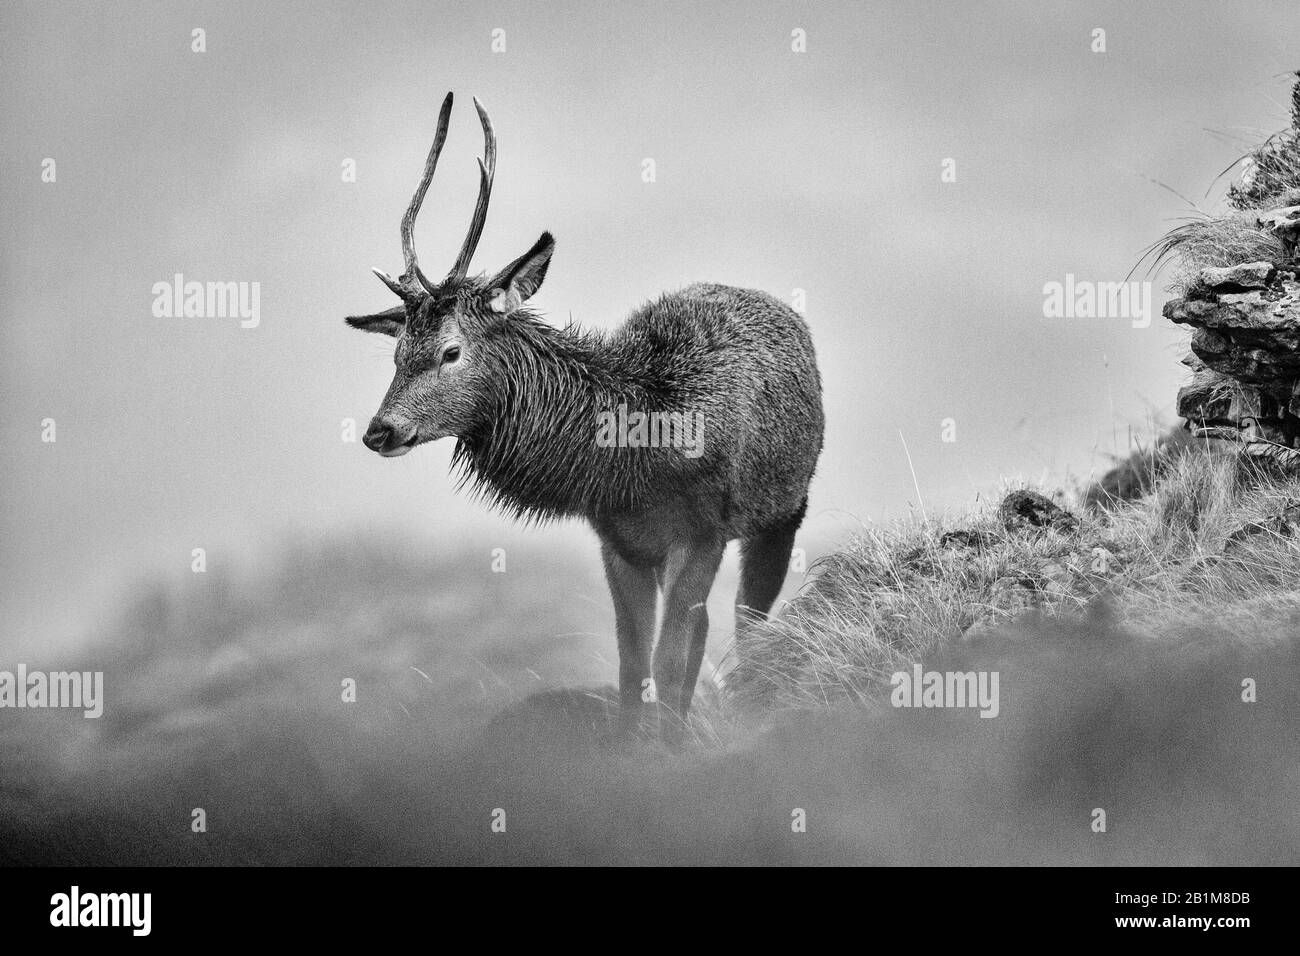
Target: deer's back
{"x": 744, "y": 361}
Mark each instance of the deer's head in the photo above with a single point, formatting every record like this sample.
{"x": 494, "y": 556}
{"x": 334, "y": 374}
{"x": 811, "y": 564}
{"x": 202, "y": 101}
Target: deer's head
{"x": 445, "y": 330}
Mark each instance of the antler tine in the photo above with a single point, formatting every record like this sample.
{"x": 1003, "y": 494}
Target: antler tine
{"x": 413, "y": 272}
{"x": 389, "y": 281}
{"x": 487, "y": 168}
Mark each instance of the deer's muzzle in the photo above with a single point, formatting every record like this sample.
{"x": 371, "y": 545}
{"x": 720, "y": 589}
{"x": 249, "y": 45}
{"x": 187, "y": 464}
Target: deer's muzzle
{"x": 389, "y": 437}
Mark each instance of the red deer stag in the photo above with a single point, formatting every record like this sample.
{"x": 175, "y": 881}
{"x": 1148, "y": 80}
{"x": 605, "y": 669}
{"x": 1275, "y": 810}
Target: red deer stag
{"x": 696, "y": 423}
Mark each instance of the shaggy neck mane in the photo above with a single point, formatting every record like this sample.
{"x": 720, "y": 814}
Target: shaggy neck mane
{"x": 533, "y": 452}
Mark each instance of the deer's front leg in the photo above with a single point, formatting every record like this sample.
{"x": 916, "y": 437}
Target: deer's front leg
{"x": 687, "y": 579}
{"x": 634, "y": 592}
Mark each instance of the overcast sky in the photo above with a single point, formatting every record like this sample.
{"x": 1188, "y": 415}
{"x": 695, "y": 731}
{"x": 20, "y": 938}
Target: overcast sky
{"x": 775, "y": 169}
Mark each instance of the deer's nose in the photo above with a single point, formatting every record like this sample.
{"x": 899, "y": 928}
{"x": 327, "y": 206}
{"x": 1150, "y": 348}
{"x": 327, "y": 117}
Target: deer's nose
{"x": 389, "y": 437}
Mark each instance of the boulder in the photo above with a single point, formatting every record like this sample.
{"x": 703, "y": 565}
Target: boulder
{"x": 1024, "y": 510}
{"x": 1245, "y": 357}
{"x": 1247, "y": 275}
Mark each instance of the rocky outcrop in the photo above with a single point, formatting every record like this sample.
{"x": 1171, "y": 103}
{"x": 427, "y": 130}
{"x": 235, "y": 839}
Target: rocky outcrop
{"x": 1245, "y": 357}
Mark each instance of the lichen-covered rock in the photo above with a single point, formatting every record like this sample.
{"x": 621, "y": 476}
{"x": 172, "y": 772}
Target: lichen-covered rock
{"x": 1247, "y": 275}
{"x": 1245, "y": 354}
{"x": 1252, "y": 336}
{"x": 1023, "y": 510}
{"x": 1284, "y": 222}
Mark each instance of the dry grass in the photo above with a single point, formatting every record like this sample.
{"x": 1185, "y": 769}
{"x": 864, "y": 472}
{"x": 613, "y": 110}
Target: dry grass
{"x": 1271, "y": 179}
{"x": 897, "y": 596}
{"x": 1225, "y": 241}
{"x": 1136, "y": 475}
{"x": 1273, "y": 171}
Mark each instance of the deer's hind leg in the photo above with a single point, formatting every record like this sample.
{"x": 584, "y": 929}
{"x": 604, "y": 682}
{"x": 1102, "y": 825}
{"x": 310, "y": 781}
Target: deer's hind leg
{"x": 635, "y": 595}
{"x": 688, "y": 575}
{"x": 764, "y": 561}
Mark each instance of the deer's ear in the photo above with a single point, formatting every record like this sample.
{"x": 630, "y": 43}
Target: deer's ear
{"x": 388, "y": 322}
{"x": 515, "y": 284}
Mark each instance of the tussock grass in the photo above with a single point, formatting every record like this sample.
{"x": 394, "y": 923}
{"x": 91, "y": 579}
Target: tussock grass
{"x": 1270, "y": 180}
{"x": 1219, "y": 242}
{"x": 1207, "y": 543}
{"x": 1274, "y": 170}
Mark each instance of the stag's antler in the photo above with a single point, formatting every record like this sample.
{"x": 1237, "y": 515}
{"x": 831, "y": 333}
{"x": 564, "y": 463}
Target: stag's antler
{"x": 413, "y": 280}
{"x": 487, "y": 169}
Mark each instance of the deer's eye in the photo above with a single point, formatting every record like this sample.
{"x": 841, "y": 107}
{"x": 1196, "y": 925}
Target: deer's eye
{"x": 451, "y": 354}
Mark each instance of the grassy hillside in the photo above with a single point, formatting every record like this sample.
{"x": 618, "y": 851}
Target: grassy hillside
{"x": 1217, "y": 540}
